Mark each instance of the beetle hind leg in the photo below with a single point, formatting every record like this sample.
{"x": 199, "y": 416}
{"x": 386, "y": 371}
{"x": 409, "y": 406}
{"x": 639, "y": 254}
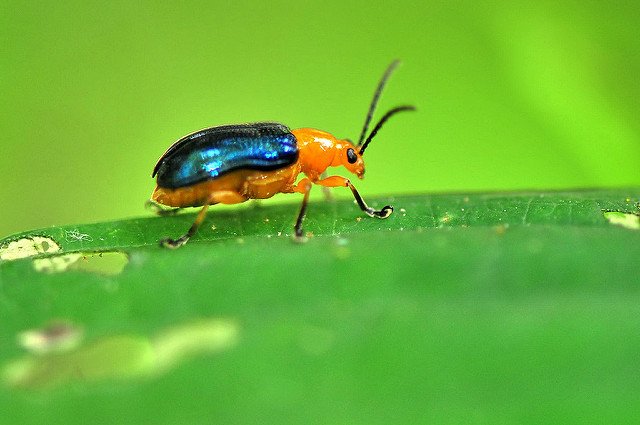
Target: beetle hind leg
{"x": 177, "y": 243}
{"x": 219, "y": 197}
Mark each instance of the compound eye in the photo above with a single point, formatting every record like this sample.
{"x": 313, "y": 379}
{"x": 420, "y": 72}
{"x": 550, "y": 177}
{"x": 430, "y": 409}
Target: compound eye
{"x": 351, "y": 156}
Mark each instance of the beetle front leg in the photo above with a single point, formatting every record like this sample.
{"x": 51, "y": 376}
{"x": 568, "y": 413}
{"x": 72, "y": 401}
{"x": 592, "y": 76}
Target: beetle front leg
{"x": 383, "y": 213}
{"x": 335, "y": 181}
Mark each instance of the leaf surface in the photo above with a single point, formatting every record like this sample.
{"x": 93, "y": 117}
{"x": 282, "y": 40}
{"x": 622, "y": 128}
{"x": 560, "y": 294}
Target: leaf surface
{"x": 486, "y": 308}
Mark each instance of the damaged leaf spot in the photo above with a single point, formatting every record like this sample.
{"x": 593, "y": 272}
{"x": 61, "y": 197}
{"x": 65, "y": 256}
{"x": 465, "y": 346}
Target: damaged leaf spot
{"x": 57, "y": 337}
{"x": 626, "y": 220}
{"x": 122, "y": 356}
{"x": 28, "y": 247}
{"x": 175, "y": 344}
{"x": 110, "y": 357}
{"x": 109, "y": 263}
{"x": 56, "y": 264}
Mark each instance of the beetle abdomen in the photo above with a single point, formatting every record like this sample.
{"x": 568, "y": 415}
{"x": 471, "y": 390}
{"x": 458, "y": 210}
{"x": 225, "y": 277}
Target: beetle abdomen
{"x": 210, "y": 153}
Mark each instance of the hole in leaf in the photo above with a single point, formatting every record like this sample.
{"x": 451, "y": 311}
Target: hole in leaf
{"x": 28, "y": 247}
{"x": 108, "y": 263}
{"x": 626, "y": 220}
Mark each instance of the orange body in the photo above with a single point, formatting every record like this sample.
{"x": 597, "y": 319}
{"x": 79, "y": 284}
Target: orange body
{"x": 317, "y": 150}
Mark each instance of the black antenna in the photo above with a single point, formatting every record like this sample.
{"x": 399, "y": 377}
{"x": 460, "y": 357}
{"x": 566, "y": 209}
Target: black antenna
{"x": 384, "y": 119}
{"x": 376, "y": 96}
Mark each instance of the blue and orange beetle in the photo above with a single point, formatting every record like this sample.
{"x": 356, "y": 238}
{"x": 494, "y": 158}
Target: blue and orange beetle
{"x": 233, "y": 163}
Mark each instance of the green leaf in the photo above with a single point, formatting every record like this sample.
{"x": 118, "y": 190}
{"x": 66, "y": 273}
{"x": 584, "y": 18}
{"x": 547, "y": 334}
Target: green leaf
{"x": 485, "y": 308}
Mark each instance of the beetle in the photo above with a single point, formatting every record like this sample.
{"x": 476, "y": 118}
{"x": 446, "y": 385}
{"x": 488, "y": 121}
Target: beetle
{"x": 233, "y": 163}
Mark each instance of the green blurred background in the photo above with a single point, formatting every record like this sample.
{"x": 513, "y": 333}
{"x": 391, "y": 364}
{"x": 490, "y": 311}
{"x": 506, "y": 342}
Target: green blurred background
{"x": 511, "y": 95}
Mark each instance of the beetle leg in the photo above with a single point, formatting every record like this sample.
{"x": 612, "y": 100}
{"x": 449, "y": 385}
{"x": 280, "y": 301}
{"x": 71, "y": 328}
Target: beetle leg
{"x": 383, "y": 213}
{"x": 326, "y": 191}
{"x": 177, "y": 243}
{"x": 304, "y": 187}
{"x": 220, "y": 197}
{"x": 335, "y": 181}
